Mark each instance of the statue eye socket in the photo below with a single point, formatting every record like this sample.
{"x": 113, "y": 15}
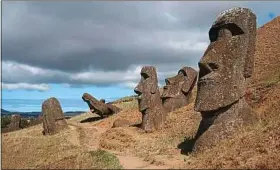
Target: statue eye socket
{"x": 144, "y": 75}
{"x": 229, "y": 29}
{"x": 182, "y": 72}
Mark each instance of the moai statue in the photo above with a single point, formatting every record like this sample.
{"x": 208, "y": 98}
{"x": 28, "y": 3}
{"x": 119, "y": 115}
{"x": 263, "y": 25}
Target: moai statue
{"x": 149, "y": 101}
{"x": 99, "y": 107}
{"x": 178, "y": 89}
{"x": 15, "y": 122}
{"x": 224, "y": 70}
{"x": 53, "y": 117}
{"x": 102, "y": 100}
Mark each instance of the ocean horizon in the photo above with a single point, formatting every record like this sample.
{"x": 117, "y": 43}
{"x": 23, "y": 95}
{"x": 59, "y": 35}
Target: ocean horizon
{"x": 35, "y": 105}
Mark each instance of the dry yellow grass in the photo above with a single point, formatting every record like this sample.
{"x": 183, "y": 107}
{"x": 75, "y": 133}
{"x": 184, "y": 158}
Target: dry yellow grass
{"x": 29, "y": 149}
{"x": 252, "y": 147}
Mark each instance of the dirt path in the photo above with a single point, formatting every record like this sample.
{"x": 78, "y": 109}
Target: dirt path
{"x": 132, "y": 162}
{"x": 88, "y": 135}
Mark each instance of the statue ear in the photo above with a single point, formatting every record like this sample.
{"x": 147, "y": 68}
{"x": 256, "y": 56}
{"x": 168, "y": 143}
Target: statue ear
{"x": 189, "y": 85}
{"x": 249, "y": 63}
{"x": 154, "y": 88}
{"x": 186, "y": 86}
{"x": 249, "y": 60}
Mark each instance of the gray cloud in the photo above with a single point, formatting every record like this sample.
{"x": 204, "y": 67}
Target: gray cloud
{"x": 99, "y": 42}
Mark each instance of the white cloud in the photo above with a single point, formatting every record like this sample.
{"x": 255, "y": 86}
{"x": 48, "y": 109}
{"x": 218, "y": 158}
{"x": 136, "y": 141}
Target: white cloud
{"x": 130, "y": 85}
{"x": 25, "y": 86}
{"x": 170, "y": 17}
{"x": 22, "y": 76}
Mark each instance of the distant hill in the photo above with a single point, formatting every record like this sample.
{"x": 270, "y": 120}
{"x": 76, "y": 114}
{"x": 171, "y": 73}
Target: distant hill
{"x": 5, "y": 111}
{"x": 36, "y": 114}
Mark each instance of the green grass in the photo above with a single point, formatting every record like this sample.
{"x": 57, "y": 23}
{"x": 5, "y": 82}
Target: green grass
{"x": 105, "y": 160}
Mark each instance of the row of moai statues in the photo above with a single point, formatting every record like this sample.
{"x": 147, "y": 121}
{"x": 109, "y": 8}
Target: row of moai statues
{"x": 176, "y": 93}
{"x": 224, "y": 72}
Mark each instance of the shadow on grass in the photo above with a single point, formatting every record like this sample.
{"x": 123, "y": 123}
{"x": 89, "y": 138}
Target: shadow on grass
{"x": 186, "y": 146}
{"x": 138, "y": 125}
{"x": 91, "y": 119}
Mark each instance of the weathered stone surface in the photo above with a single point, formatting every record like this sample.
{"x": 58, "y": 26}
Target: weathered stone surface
{"x": 178, "y": 89}
{"x": 99, "y": 107}
{"x": 53, "y": 117}
{"x": 15, "y": 122}
{"x": 149, "y": 101}
{"x": 224, "y": 69}
{"x": 121, "y": 123}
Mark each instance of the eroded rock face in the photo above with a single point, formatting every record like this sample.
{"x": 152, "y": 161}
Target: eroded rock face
{"x": 149, "y": 101}
{"x": 15, "y": 122}
{"x": 224, "y": 69}
{"x": 53, "y": 117}
{"x": 177, "y": 91}
{"x": 99, "y": 107}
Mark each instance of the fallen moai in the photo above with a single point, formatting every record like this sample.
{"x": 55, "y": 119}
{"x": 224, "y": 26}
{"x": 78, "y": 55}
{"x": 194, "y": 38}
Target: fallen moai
{"x": 149, "y": 101}
{"x": 53, "y": 117}
{"x": 224, "y": 69}
{"x": 98, "y": 107}
{"x": 178, "y": 89}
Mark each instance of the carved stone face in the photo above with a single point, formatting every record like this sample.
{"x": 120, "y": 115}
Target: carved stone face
{"x": 227, "y": 61}
{"x": 147, "y": 89}
{"x": 91, "y": 101}
{"x": 177, "y": 89}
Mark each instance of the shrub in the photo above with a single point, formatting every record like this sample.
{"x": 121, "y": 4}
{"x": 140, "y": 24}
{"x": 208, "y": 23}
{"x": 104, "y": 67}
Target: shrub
{"x": 105, "y": 160}
{"x": 5, "y": 121}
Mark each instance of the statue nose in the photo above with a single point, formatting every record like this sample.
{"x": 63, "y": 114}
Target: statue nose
{"x": 167, "y": 81}
{"x": 137, "y": 91}
{"x": 206, "y": 68}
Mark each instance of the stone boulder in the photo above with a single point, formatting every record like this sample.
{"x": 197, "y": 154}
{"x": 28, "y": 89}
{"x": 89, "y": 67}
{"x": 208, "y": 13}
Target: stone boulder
{"x": 53, "y": 117}
{"x": 15, "y": 122}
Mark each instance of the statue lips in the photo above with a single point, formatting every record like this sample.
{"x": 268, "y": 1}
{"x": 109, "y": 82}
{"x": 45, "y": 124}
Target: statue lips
{"x": 166, "y": 92}
{"x": 209, "y": 78}
{"x": 142, "y": 106}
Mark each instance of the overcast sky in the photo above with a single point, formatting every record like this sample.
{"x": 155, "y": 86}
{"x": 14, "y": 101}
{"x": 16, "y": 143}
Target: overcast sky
{"x": 66, "y": 48}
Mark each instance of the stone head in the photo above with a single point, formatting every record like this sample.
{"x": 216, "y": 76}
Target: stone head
{"x": 91, "y": 101}
{"x": 102, "y": 100}
{"x": 52, "y": 108}
{"x": 228, "y": 60}
{"x": 180, "y": 85}
{"x": 147, "y": 89}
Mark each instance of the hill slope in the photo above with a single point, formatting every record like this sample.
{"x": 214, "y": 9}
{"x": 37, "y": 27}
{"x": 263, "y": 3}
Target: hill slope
{"x": 267, "y": 56}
